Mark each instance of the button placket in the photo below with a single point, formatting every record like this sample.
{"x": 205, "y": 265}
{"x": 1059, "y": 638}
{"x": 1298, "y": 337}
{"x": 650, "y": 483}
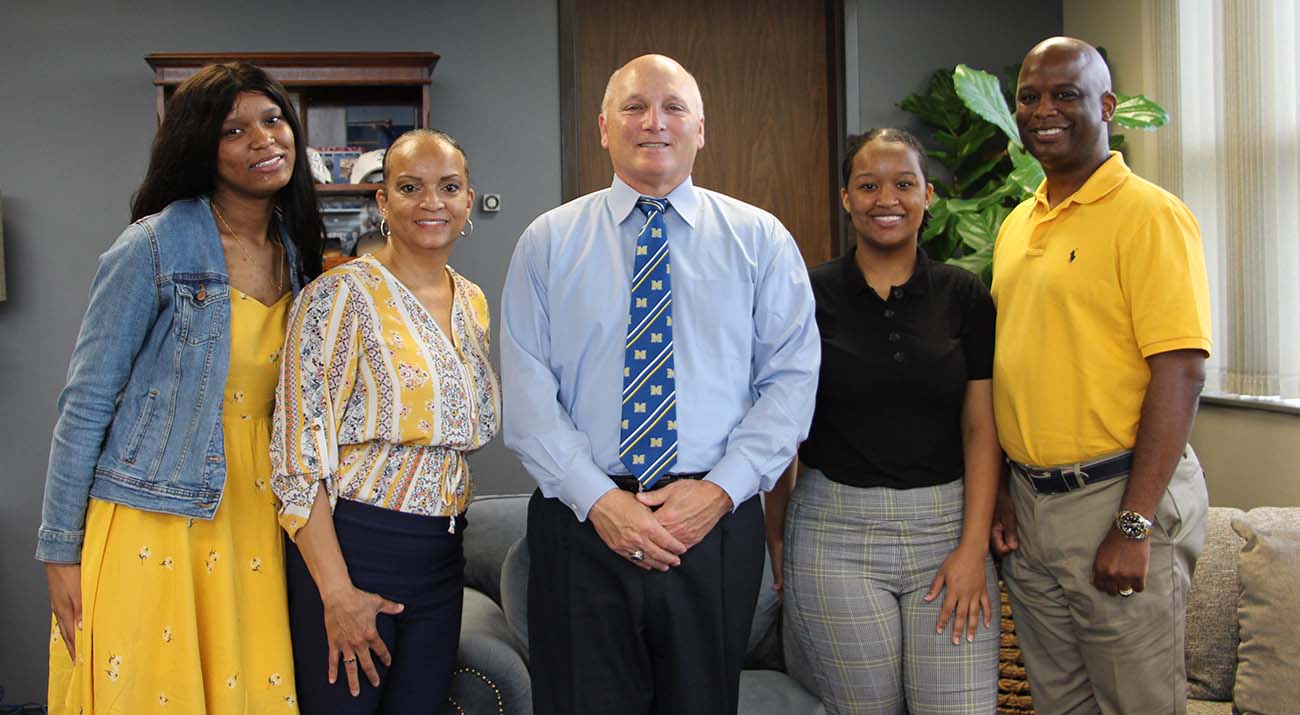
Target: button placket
{"x": 895, "y": 294}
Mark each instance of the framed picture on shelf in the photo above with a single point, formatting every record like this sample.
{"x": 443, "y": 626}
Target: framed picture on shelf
{"x": 339, "y": 160}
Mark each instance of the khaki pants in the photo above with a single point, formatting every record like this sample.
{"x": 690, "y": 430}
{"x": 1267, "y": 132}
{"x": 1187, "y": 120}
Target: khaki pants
{"x": 1089, "y": 652}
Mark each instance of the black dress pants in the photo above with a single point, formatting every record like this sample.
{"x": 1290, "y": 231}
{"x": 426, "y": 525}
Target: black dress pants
{"x": 607, "y": 637}
{"x": 407, "y": 558}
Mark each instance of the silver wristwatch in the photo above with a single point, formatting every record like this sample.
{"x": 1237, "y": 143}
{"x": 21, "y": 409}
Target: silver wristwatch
{"x": 1133, "y": 525}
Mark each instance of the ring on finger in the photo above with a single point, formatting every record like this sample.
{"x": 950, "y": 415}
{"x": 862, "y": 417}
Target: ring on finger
{"x": 637, "y": 555}
{"x": 349, "y": 661}
{"x": 1126, "y": 591}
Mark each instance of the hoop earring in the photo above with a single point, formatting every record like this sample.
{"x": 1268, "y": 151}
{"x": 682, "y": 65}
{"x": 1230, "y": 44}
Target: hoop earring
{"x": 468, "y": 222}
{"x": 384, "y": 230}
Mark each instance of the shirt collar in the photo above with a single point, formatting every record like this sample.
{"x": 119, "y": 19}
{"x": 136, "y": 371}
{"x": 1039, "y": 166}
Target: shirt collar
{"x": 684, "y": 200}
{"x": 1104, "y": 180}
{"x": 915, "y": 285}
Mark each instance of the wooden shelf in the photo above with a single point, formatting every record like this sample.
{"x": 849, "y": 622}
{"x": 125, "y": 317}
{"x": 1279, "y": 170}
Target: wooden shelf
{"x": 377, "y": 74}
{"x": 347, "y": 189}
{"x": 305, "y": 68}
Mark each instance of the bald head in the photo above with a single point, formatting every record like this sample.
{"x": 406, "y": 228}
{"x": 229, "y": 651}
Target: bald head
{"x": 645, "y": 65}
{"x": 652, "y": 123}
{"x": 1085, "y": 61}
{"x": 1063, "y": 108}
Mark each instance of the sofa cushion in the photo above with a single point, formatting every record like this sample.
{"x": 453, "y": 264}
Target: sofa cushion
{"x": 1212, "y": 611}
{"x": 1269, "y": 572}
{"x": 1206, "y": 707}
{"x": 771, "y": 692}
{"x": 514, "y": 590}
{"x": 495, "y": 522}
{"x": 490, "y": 675}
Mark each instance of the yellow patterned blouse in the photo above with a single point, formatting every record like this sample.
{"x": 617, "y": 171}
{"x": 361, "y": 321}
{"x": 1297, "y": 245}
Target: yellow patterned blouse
{"x": 375, "y": 402}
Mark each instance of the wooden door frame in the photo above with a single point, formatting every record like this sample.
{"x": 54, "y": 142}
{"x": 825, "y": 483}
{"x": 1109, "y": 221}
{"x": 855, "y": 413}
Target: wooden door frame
{"x": 571, "y": 111}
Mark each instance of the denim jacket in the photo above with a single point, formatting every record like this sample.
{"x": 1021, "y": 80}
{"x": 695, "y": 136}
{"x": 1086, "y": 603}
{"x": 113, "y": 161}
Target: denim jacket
{"x": 140, "y": 418}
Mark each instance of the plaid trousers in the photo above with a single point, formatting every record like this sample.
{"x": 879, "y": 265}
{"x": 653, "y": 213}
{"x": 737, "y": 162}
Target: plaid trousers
{"x": 858, "y": 562}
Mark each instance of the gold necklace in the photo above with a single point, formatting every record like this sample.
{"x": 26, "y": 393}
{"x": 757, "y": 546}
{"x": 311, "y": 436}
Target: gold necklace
{"x": 279, "y": 273}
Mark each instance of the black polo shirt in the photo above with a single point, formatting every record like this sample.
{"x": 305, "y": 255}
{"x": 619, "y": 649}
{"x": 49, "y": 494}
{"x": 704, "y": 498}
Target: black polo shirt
{"x": 894, "y": 373}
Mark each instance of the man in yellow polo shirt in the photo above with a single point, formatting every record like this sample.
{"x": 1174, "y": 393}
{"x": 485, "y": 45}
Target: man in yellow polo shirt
{"x": 1103, "y": 329}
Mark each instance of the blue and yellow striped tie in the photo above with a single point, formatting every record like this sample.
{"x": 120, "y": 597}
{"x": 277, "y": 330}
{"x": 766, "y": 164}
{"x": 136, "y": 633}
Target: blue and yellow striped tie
{"x": 648, "y": 438}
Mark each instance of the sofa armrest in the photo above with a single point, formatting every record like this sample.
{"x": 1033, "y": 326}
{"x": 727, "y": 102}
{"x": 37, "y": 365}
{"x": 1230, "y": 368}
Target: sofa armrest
{"x": 491, "y": 677}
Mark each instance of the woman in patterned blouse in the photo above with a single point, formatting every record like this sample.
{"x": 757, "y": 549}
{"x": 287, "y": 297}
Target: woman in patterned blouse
{"x": 386, "y": 387}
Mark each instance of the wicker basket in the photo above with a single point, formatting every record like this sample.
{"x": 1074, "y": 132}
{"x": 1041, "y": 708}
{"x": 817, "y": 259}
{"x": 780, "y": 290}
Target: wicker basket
{"x": 1013, "y": 686}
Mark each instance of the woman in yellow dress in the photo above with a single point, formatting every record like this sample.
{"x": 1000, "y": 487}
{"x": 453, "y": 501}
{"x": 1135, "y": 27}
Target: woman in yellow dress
{"x": 164, "y": 559}
{"x": 387, "y": 386}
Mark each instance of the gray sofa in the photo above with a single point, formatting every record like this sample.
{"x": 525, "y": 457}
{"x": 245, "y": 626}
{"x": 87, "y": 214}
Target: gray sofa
{"x": 492, "y": 675}
{"x": 1226, "y": 606}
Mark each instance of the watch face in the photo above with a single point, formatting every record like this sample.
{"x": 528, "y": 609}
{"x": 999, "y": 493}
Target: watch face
{"x": 1132, "y": 524}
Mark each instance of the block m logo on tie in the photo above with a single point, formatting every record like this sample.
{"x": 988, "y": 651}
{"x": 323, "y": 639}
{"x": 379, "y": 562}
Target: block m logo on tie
{"x": 648, "y": 438}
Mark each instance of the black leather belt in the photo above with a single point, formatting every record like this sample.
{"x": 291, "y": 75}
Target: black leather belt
{"x": 628, "y": 483}
{"x": 1064, "y": 479}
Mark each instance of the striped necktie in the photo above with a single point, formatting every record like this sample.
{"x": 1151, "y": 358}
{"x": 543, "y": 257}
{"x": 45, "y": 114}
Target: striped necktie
{"x": 648, "y": 435}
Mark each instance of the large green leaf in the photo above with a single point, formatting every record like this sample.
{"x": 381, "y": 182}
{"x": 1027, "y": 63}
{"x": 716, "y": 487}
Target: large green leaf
{"x": 980, "y": 171}
{"x": 1138, "y": 112}
{"x": 1026, "y": 173}
{"x": 980, "y": 262}
{"x": 970, "y": 141}
{"x": 978, "y": 229}
{"x": 939, "y": 105}
{"x": 982, "y": 94}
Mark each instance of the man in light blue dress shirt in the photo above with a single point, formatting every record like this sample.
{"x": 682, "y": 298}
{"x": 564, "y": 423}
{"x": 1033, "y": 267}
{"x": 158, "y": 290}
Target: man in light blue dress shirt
{"x": 640, "y": 600}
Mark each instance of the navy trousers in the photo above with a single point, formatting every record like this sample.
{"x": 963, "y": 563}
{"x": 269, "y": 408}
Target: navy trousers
{"x": 406, "y": 558}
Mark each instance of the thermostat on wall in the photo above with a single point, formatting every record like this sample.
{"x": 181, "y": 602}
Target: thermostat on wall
{"x": 491, "y": 203}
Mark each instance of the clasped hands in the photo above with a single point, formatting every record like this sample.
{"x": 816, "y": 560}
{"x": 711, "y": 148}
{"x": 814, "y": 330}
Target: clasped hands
{"x": 662, "y": 524}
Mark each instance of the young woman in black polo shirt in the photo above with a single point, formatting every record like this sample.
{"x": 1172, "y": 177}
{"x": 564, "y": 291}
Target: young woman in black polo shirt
{"x": 882, "y": 551}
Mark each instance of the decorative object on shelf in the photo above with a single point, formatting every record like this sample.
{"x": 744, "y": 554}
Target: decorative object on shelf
{"x": 973, "y": 125}
{"x": 369, "y": 167}
{"x": 340, "y": 160}
{"x": 320, "y": 173}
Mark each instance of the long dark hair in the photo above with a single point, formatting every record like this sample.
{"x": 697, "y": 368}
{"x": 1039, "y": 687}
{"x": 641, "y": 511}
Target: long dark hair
{"x": 183, "y": 163}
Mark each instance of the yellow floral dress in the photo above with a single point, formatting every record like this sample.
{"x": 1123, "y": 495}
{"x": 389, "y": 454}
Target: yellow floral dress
{"x": 186, "y": 615}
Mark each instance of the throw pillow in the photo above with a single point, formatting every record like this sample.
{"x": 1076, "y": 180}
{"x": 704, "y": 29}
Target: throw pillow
{"x": 1269, "y": 572}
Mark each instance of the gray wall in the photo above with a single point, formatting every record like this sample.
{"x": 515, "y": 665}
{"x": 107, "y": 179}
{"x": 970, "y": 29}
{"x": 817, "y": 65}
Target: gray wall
{"x": 75, "y": 127}
{"x": 899, "y": 45}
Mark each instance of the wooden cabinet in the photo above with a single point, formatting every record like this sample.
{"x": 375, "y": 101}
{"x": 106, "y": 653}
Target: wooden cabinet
{"x": 348, "y": 102}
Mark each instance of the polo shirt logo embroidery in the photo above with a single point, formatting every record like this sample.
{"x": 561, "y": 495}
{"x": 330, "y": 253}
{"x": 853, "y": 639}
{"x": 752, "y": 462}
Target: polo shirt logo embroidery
{"x": 1073, "y": 254}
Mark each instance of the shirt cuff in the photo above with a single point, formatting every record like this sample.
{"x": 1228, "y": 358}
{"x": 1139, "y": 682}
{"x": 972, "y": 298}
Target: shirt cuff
{"x": 59, "y": 547}
{"x": 582, "y": 488}
{"x": 736, "y": 477}
{"x": 296, "y": 510}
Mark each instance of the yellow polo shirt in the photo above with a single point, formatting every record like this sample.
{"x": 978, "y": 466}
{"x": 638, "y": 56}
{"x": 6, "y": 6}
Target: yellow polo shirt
{"x": 1085, "y": 293}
